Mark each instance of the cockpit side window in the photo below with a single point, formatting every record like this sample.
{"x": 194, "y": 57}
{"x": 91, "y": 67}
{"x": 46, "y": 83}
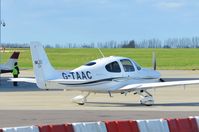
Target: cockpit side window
{"x": 138, "y": 66}
{"x": 127, "y": 65}
{"x": 113, "y": 67}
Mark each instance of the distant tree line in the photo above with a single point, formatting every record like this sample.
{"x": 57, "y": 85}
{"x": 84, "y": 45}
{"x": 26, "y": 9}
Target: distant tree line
{"x": 148, "y": 43}
{"x": 14, "y": 45}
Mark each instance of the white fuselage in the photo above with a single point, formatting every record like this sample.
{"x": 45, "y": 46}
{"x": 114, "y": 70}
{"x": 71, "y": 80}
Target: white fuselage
{"x": 103, "y": 75}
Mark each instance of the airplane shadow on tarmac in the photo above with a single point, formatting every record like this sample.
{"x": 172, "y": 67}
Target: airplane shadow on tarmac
{"x": 110, "y": 104}
{"x": 178, "y": 79}
{"x": 7, "y": 86}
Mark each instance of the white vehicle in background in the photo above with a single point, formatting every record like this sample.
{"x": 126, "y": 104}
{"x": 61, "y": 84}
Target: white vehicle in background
{"x": 105, "y": 75}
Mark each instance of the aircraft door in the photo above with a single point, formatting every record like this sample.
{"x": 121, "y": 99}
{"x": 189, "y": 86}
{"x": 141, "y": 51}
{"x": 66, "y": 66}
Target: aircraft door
{"x": 128, "y": 68}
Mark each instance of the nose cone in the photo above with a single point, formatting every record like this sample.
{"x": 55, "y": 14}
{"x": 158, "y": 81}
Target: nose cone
{"x": 149, "y": 73}
{"x": 156, "y": 74}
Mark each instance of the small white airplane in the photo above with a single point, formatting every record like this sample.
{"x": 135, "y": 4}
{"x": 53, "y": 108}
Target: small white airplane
{"x": 9, "y": 65}
{"x": 105, "y": 75}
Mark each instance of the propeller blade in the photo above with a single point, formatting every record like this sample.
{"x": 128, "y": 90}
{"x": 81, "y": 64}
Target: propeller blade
{"x": 154, "y": 61}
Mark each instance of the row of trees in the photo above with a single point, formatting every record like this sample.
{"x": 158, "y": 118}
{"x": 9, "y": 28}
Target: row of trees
{"x": 150, "y": 43}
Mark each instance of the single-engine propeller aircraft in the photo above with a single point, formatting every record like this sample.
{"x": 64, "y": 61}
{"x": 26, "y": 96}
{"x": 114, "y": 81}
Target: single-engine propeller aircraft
{"x": 105, "y": 75}
{"x": 9, "y": 65}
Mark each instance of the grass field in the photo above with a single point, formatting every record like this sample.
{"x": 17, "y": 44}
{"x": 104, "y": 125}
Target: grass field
{"x": 71, "y": 58}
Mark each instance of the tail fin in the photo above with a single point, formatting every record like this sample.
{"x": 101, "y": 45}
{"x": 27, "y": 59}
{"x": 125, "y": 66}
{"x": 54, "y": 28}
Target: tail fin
{"x": 43, "y": 70}
{"x": 13, "y": 59}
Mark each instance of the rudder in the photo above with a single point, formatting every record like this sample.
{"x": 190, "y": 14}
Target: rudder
{"x": 43, "y": 69}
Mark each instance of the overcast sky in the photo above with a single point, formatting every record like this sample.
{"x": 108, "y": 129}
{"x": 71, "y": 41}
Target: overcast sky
{"x": 61, "y": 21}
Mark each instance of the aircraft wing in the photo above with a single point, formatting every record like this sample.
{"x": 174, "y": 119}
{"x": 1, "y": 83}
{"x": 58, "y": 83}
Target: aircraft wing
{"x": 29, "y": 80}
{"x": 33, "y": 80}
{"x": 143, "y": 86}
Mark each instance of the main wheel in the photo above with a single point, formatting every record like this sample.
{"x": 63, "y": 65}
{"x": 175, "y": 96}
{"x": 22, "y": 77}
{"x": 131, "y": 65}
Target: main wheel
{"x": 147, "y": 100}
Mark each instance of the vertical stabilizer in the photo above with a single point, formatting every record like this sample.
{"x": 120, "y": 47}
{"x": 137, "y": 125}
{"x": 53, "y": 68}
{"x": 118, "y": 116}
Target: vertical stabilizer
{"x": 43, "y": 70}
{"x": 9, "y": 65}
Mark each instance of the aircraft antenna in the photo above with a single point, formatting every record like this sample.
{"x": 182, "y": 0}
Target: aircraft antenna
{"x": 101, "y": 52}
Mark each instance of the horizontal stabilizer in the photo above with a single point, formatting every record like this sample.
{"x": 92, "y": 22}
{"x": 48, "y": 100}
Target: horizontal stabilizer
{"x": 29, "y": 80}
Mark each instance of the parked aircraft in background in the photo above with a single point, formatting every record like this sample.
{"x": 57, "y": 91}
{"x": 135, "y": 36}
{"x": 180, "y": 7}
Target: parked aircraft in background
{"x": 9, "y": 65}
{"x": 105, "y": 75}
